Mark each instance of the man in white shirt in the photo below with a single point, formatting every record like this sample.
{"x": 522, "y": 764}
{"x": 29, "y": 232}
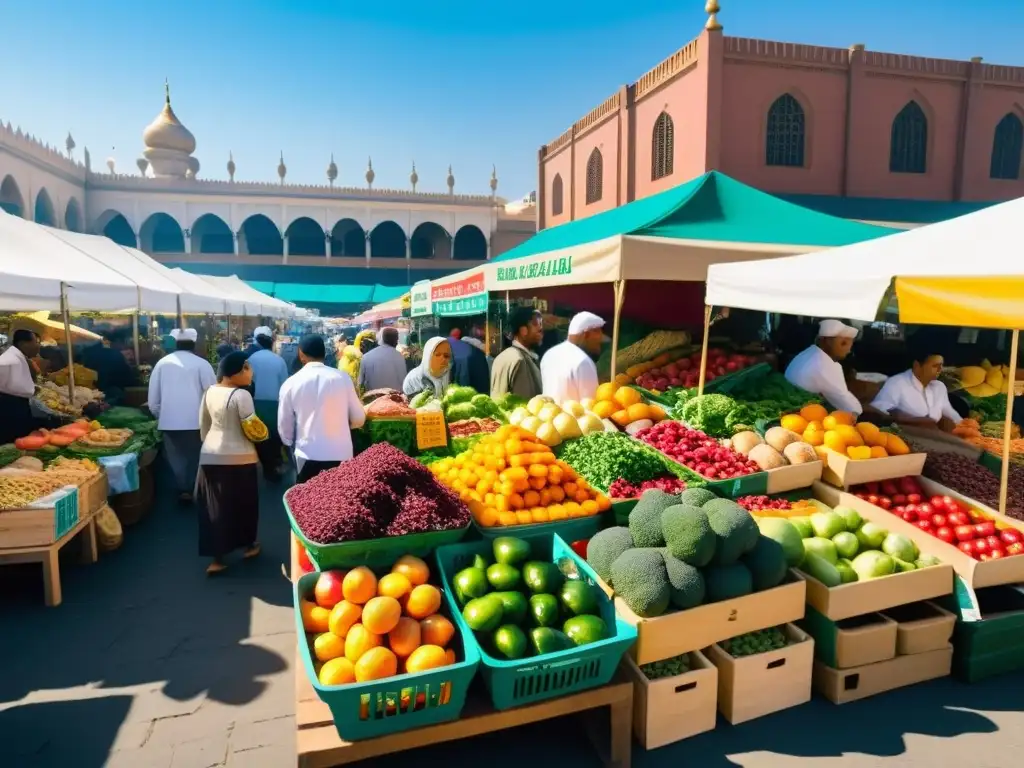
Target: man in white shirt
{"x": 177, "y": 386}
{"x": 817, "y": 369}
{"x": 269, "y": 373}
{"x": 17, "y": 386}
{"x": 568, "y": 370}
{"x": 383, "y": 367}
{"x": 318, "y": 409}
{"x": 916, "y": 397}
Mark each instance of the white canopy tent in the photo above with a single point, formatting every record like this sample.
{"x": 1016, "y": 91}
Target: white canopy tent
{"x": 256, "y": 303}
{"x": 196, "y": 285}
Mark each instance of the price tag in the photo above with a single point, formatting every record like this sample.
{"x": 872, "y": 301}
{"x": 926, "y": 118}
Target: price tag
{"x": 430, "y": 430}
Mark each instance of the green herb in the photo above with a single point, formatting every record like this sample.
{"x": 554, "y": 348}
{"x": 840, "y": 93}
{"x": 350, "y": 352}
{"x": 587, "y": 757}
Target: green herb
{"x": 401, "y": 434}
{"x": 604, "y": 457}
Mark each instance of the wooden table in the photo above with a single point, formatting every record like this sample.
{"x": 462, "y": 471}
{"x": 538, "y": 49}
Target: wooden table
{"x": 49, "y": 556}
{"x": 320, "y": 746}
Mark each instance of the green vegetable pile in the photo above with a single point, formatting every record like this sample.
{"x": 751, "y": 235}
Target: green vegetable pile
{"x": 604, "y": 457}
{"x": 989, "y": 408}
{"x": 750, "y": 402}
{"x": 123, "y": 417}
{"x": 709, "y": 413}
{"x": 400, "y": 433}
{"x": 753, "y": 643}
{"x": 677, "y": 665}
{"x": 461, "y": 403}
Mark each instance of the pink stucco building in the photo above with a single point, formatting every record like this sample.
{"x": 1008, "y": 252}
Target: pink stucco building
{"x": 833, "y": 128}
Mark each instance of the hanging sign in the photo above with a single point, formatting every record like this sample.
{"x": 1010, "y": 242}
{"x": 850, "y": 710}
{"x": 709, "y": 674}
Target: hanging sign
{"x": 464, "y": 296}
{"x": 419, "y": 302}
{"x": 430, "y": 430}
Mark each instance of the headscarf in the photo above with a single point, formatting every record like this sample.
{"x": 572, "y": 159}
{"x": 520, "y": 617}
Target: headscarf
{"x": 421, "y": 378}
{"x": 232, "y": 365}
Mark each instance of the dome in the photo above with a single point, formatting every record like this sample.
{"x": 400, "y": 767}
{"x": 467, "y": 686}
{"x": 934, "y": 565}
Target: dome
{"x": 167, "y": 132}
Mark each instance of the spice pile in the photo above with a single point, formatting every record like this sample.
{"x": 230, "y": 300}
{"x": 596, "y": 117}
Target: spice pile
{"x": 17, "y": 491}
{"x": 390, "y": 407}
{"x": 381, "y": 492}
{"x": 468, "y": 427}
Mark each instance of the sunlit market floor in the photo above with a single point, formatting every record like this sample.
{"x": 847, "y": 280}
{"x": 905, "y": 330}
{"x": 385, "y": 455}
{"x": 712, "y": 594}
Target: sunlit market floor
{"x": 149, "y": 663}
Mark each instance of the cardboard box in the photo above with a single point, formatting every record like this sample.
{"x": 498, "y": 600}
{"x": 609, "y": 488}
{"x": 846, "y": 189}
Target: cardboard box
{"x": 921, "y": 627}
{"x": 663, "y": 637}
{"x": 842, "y": 685}
{"x": 844, "y": 472}
{"x": 754, "y": 686}
{"x": 794, "y": 477}
{"x": 977, "y": 574}
{"x": 852, "y": 642}
{"x": 42, "y": 522}
{"x": 674, "y": 708}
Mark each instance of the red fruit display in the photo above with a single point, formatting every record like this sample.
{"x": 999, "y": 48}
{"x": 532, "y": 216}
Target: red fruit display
{"x": 694, "y": 449}
{"x": 758, "y": 503}
{"x": 685, "y": 372}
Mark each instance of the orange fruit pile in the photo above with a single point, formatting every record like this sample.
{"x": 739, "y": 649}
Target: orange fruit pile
{"x": 377, "y": 628}
{"x": 623, "y": 405}
{"x": 508, "y": 478}
{"x": 839, "y": 431}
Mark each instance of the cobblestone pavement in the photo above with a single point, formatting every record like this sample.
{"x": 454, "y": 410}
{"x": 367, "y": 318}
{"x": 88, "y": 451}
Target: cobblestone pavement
{"x": 150, "y": 664}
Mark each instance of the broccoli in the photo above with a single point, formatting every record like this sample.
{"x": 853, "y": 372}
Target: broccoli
{"x": 696, "y": 497}
{"x": 736, "y": 530}
{"x": 688, "y": 534}
{"x": 458, "y": 394}
{"x": 708, "y": 413}
{"x": 767, "y": 563}
{"x": 645, "y": 519}
{"x": 641, "y": 581}
{"x": 725, "y": 582}
{"x": 686, "y": 583}
{"x": 605, "y": 547}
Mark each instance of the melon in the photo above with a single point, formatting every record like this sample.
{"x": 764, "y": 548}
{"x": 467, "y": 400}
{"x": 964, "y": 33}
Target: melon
{"x": 778, "y": 438}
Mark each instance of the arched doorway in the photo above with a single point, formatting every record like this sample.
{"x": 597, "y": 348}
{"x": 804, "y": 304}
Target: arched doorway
{"x": 210, "y": 234}
{"x": 73, "y": 216}
{"x": 44, "y": 210}
{"x": 430, "y": 241}
{"x": 305, "y": 238}
{"x": 10, "y": 197}
{"x": 160, "y": 233}
{"x": 114, "y": 225}
{"x": 470, "y": 244}
{"x": 387, "y": 241}
{"x": 262, "y": 237}
{"x": 348, "y": 239}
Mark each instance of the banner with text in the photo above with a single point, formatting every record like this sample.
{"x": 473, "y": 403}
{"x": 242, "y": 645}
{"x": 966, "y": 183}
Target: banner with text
{"x": 419, "y": 302}
{"x": 465, "y": 295}
{"x": 594, "y": 262}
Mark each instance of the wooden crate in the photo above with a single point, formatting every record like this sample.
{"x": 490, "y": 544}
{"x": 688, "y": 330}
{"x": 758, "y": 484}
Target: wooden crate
{"x": 43, "y": 522}
{"x": 92, "y": 494}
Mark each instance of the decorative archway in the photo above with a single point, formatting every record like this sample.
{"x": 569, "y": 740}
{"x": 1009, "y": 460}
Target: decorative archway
{"x": 305, "y": 238}
{"x": 470, "y": 244}
{"x": 211, "y": 234}
{"x": 10, "y": 197}
{"x": 387, "y": 240}
{"x": 73, "y": 216}
{"x": 261, "y": 236}
{"x": 430, "y": 241}
{"x": 161, "y": 233}
{"x": 348, "y": 239}
{"x": 44, "y": 213}
{"x": 119, "y": 230}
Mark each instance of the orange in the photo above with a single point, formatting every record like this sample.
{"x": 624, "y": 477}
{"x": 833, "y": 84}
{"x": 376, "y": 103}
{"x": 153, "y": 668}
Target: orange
{"x": 450, "y": 655}
{"x": 638, "y": 411}
{"x": 343, "y": 616}
{"x": 895, "y": 446}
{"x": 437, "y": 630}
{"x": 850, "y": 435}
{"x": 381, "y": 615}
{"x": 314, "y": 618}
{"x": 623, "y": 378}
{"x": 626, "y": 396}
{"x": 337, "y": 671}
{"x": 878, "y": 452}
{"x": 657, "y": 413}
{"x": 358, "y": 641}
{"x": 405, "y": 637}
{"x": 414, "y": 569}
{"x": 813, "y": 436}
{"x": 376, "y": 664}
{"x": 834, "y": 441}
{"x": 425, "y": 657}
{"x": 859, "y": 452}
{"x": 794, "y": 422}
{"x": 604, "y": 409}
{"x": 327, "y": 646}
{"x": 606, "y": 391}
{"x": 359, "y": 585}
{"x": 872, "y": 435}
{"x": 394, "y": 585}
{"x": 424, "y": 600}
{"x": 621, "y": 418}
{"x": 829, "y": 423}
{"x": 814, "y": 412}
{"x": 844, "y": 417}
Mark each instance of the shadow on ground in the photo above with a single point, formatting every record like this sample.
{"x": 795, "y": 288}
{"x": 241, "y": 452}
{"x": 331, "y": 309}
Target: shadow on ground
{"x": 69, "y": 733}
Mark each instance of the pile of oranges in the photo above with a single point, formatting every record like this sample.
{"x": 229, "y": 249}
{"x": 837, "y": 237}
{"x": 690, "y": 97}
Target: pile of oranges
{"x": 623, "y": 405}
{"x": 508, "y": 478}
{"x": 839, "y": 432}
{"x": 365, "y": 628}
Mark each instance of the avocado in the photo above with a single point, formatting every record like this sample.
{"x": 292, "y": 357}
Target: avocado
{"x": 511, "y": 551}
{"x": 542, "y": 578}
{"x": 578, "y": 598}
{"x": 509, "y": 642}
{"x": 585, "y": 629}
{"x": 470, "y": 583}
{"x": 503, "y": 577}
{"x": 544, "y": 609}
{"x": 821, "y": 569}
{"x": 481, "y": 562}
{"x": 548, "y": 640}
{"x": 483, "y": 614}
{"x": 514, "y": 605}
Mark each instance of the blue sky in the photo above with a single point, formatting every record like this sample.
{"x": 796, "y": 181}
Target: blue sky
{"x": 465, "y": 82}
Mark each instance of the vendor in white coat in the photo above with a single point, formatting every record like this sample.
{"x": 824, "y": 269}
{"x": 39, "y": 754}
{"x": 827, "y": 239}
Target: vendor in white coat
{"x": 176, "y": 389}
{"x": 17, "y": 386}
{"x": 817, "y": 369}
{"x": 916, "y": 397}
{"x": 567, "y": 370}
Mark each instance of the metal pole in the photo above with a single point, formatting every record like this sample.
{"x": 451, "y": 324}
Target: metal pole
{"x": 1004, "y": 474}
{"x": 620, "y": 298}
{"x": 704, "y": 349}
{"x": 135, "y": 324}
{"x": 181, "y": 317}
{"x": 65, "y": 315}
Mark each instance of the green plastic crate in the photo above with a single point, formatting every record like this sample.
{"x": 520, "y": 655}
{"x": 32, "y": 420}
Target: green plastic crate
{"x": 538, "y": 678}
{"x": 571, "y": 530}
{"x": 373, "y": 553}
{"x": 383, "y": 707}
{"x": 723, "y": 385}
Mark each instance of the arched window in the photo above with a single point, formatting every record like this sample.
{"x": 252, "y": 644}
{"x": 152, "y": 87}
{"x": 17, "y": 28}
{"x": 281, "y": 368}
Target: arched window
{"x": 908, "y": 144}
{"x": 595, "y": 174}
{"x": 787, "y": 126}
{"x": 556, "y": 195}
{"x": 662, "y": 147}
{"x": 1006, "y": 148}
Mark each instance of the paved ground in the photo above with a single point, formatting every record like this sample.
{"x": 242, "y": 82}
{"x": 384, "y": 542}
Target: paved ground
{"x": 149, "y": 664}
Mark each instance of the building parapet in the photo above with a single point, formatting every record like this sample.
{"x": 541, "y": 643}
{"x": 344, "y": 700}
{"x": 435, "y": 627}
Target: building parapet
{"x": 792, "y": 53}
{"x": 679, "y": 61}
{"x": 18, "y": 139}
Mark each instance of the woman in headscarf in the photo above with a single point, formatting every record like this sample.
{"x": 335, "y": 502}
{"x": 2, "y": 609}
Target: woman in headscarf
{"x": 226, "y": 488}
{"x": 434, "y": 372}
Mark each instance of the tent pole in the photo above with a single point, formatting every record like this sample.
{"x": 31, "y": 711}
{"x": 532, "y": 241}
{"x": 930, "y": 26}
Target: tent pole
{"x": 135, "y": 324}
{"x": 1004, "y": 474}
{"x": 181, "y": 317}
{"x": 704, "y": 349}
{"x": 229, "y": 328}
{"x": 620, "y": 298}
{"x": 508, "y": 304}
{"x": 66, "y": 316}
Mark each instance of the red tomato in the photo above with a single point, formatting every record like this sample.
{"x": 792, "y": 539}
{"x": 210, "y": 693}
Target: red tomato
{"x": 967, "y": 547}
{"x": 924, "y": 525}
{"x": 996, "y": 554}
{"x": 914, "y": 498}
{"x": 951, "y": 504}
{"x": 885, "y": 502}
{"x": 980, "y": 546}
{"x": 994, "y": 542}
{"x": 946, "y": 534}
{"x": 304, "y": 561}
{"x": 938, "y": 503}
{"x": 872, "y": 499}
{"x": 909, "y": 516}
{"x": 937, "y": 520}
{"x": 1011, "y": 535}
{"x": 580, "y": 548}
{"x": 926, "y": 510}
{"x": 964, "y": 532}
{"x": 985, "y": 529}
{"x": 958, "y": 518}
{"x": 899, "y": 498}
{"x": 1017, "y": 548}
